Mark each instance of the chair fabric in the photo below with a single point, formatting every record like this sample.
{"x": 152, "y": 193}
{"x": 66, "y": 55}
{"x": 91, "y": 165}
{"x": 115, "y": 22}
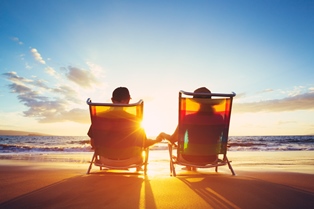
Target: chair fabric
{"x": 203, "y": 129}
{"x": 116, "y": 136}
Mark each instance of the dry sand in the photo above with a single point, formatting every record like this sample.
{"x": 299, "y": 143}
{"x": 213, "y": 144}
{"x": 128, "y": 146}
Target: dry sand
{"x": 33, "y": 184}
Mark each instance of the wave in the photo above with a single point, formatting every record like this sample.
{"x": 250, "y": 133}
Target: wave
{"x": 25, "y": 148}
{"x": 17, "y": 144}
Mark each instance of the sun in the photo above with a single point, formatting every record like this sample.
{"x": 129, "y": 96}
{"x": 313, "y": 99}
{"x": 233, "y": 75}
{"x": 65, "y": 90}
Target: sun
{"x": 157, "y": 119}
{"x": 151, "y": 127}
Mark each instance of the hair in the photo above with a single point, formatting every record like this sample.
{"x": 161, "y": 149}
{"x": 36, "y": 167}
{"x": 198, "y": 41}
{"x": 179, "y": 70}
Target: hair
{"x": 120, "y": 94}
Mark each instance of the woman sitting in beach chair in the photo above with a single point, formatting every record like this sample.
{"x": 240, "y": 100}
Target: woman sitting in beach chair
{"x": 202, "y": 132}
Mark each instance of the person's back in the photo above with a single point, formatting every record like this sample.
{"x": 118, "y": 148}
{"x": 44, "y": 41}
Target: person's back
{"x": 120, "y": 128}
{"x": 195, "y": 131}
{"x": 202, "y": 128}
{"x": 117, "y": 128}
{"x": 200, "y": 134}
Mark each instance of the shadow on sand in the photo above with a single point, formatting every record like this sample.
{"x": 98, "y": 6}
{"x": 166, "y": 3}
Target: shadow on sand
{"x": 110, "y": 190}
{"x": 197, "y": 190}
{"x": 225, "y": 191}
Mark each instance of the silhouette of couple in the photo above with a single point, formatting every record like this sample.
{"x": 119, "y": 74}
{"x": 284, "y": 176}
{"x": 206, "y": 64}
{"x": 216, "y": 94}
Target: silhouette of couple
{"x": 121, "y": 95}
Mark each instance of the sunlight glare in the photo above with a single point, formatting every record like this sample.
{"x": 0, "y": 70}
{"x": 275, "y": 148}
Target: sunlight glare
{"x": 151, "y": 128}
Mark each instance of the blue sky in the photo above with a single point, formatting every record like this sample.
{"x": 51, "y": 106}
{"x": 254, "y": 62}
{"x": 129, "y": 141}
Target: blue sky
{"x": 55, "y": 54}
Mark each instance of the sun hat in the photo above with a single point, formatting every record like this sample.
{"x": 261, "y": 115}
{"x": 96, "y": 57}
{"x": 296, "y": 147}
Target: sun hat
{"x": 201, "y": 93}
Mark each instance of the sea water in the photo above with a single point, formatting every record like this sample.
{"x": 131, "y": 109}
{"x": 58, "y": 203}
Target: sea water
{"x": 64, "y": 144}
{"x": 290, "y": 152}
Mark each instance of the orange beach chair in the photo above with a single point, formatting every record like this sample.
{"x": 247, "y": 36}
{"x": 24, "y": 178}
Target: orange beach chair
{"x": 117, "y": 137}
{"x": 203, "y": 129}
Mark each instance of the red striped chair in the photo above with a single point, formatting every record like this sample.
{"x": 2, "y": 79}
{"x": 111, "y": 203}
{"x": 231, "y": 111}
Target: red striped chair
{"x": 117, "y": 137}
{"x": 203, "y": 130}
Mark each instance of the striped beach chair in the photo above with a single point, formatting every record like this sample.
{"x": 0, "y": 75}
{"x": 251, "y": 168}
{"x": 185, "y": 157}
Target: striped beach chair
{"x": 116, "y": 136}
{"x": 203, "y": 129}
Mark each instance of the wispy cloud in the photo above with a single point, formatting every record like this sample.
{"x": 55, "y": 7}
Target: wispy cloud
{"x": 81, "y": 77}
{"x": 295, "y": 91}
{"x": 241, "y": 95}
{"x": 297, "y": 102}
{"x": 67, "y": 93}
{"x": 50, "y": 71}
{"x": 37, "y": 56}
{"x": 46, "y": 104}
{"x": 17, "y": 40}
{"x": 266, "y": 91}
{"x": 54, "y": 98}
{"x": 12, "y": 76}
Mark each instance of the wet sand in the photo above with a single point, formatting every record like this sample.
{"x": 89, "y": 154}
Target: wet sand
{"x": 43, "y": 184}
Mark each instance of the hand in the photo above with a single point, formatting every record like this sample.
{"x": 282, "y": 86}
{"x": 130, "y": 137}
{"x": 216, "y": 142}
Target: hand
{"x": 159, "y": 138}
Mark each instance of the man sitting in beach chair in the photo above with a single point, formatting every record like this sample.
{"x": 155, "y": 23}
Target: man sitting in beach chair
{"x": 202, "y": 132}
{"x": 118, "y": 140}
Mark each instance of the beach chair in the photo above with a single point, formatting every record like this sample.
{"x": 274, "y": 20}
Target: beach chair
{"x": 203, "y": 129}
{"x": 117, "y": 137}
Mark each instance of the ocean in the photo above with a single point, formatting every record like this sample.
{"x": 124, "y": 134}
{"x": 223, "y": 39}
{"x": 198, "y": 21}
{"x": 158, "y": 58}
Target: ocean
{"x": 246, "y": 152}
{"x": 70, "y": 144}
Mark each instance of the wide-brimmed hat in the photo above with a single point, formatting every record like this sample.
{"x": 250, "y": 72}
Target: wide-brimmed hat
{"x": 201, "y": 93}
{"x": 202, "y": 96}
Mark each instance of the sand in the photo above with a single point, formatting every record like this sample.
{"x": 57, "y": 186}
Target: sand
{"x": 43, "y": 184}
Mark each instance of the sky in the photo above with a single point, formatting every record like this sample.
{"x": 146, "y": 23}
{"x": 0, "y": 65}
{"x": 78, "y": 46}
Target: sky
{"x": 54, "y": 54}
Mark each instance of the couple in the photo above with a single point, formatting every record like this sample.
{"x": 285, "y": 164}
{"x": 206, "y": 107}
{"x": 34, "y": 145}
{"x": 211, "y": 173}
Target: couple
{"x": 121, "y": 95}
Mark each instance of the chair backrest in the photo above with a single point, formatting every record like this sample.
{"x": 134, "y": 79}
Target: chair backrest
{"x": 117, "y": 127}
{"x": 204, "y": 123}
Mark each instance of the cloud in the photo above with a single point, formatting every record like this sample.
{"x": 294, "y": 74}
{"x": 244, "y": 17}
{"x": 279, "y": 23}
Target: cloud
{"x": 266, "y": 91}
{"x": 50, "y": 71}
{"x": 12, "y": 76}
{"x": 81, "y": 77}
{"x": 27, "y": 66}
{"x": 240, "y": 95}
{"x": 296, "y": 91}
{"x": 37, "y": 56}
{"x": 298, "y": 102}
{"x": 46, "y": 104}
{"x": 47, "y": 111}
{"x": 16, "y": 39}
{"x": 67, "y": 92}
{"x": 19, "y": 89}
{"x": 80, "y": 116}
{"x": 40, "y": 83}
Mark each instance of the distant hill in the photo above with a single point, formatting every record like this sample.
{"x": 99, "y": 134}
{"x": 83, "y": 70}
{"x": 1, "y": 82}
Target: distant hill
{"x": 20, "y": 133}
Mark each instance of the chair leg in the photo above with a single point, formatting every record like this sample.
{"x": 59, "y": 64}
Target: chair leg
{"x": 145, "y": 171}
{"x": 172, "y": 168}
{"x": 230, "y": 167}
{"x": 174, "y": 171}
{"x": 91, "y": 163}
{"x": 146, "y": 161}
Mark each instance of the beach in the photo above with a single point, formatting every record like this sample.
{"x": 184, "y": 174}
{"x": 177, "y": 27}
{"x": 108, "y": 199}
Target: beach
{"x": 262, "y": 180}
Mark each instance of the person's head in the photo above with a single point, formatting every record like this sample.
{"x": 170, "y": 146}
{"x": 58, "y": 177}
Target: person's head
{"x": 121, "y": 95}
{"x": 202, "y": 90}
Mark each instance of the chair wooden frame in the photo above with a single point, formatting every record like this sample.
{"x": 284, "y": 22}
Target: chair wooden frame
{"x": 117, "y": 164}
{"x": 222, "y": 143}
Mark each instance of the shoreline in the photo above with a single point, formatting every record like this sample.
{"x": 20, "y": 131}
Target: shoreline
{"x": 293, "y": 161}
{"x": 64, "y": 184}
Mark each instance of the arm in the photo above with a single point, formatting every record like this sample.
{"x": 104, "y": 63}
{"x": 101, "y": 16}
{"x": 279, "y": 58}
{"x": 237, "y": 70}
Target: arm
{"x": 171, "y": 138}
